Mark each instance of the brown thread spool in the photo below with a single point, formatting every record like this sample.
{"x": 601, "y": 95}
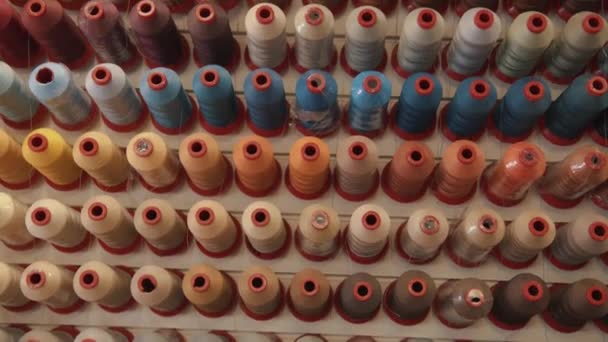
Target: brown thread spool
{"x": 460, "y": 303}
{"x": 105, "y": 285}
{"x": 579, "y": 241}
{"x": 599, "y": 196}
{"x": 158, "y": 289}
{"x": 51, "y": 285}
{"x": 261, "y": 292}
{"x": 211, "y": 292}
{"x": 13, "y": 231}
{"x": 214, "y": 229}
{"x": 14, "y": 170}
{"x": 506, "y": 182}
{"x": 565, "y": 183}
{"x": 456, "y": 176}
{"x": 356, "y": 173}
{"x": 309, "y": 295}
{"x": 208, "y": 170}
{"x": 406, "y": 177}
{"x": 318, "y": 234}
{"x": 358, "y": 298}
{"x": 518, "y": 300}
{"x": 408, "y": 299}
{"x": 307, "y": 175}
{"x": 257, "y": 171}
{"x": 419, "y": 239}
{"x": 573, "y": 305}
{"x": 11, "y": 296}
{"x": 157, "y": 165}
{"x": 161, "y": 226}
{"x": 265, "y": 229}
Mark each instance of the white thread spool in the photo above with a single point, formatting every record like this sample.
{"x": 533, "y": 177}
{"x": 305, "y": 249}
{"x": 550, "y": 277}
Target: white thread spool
{"x": 475, "y": 38}
{"x": 12, "y": 221}
{"x": 157, "y": 288}
{"x": 10, "y": 334}
{"x": 55, "y": 222}
{"x": 105, "y": 218}
{"x": 264, "y": 227}
{"x": 150, "y": 156}
{"x": 164, "y": 335}
{"x": 478, "y": 232}
{"x": 10, "y": 292}
{"x": 314, "y": 42}
{"x": 368, "y": 230}
{"x": 100, "y": 335}
{"x": 116, "y": 98}
{"x": 357, "y": 165}
{"x": 424, "y": 233}
{"x": 580, "y": 240}
{"x": 420, "y": 41}
{"x": 318, "y": 230}
{"x": 265, "y": 24}
{"x": 96, "y": 282}
{"x": 46, "y": 336}
{"x": 97, "y": 155}
{"x": 212, "y": 226}
{"x": 158, "y": 222}
{"x": 526, "y": 236}
{"x": 48, "y": 284}
{"x": 366, "y": 29}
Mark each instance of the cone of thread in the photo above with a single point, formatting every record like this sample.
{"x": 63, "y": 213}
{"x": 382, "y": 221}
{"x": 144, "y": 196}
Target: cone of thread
{"x": 105, "y": 285}
{"x": 406, "y": 177}
{"x": 95, "y": 153}
{"x": 208, "y": 289}
{"x": 519, "y": 299}
{"x": 256, "y": 169}
{"x": 318, "y": 230}
{"x": 163, "y": 228}
{"x": 110, "y": 222}
{"x": 13, "y": 231}
{"x": 571, "y": 306}
{"x": 309, "y": 292}
{"x": 359, "y": 297}
{"x": 14, "y": 169}
{"x": 308, "y": 166}
{"x": 212, "y": 226}
{"x": 460, "y": 303}
{"x": 412, "y": 295}
{"x": 150, "y": 156}
{"x": 203, "y": 161}
{"x": 260, "y": 290}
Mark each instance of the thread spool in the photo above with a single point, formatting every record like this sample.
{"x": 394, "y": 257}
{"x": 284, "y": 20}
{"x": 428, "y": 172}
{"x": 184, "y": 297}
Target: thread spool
{"x": 156, "y": 35}
{"x": 527, "y": 235}
{"x": 363, "y": 50}
{"x": 479, "y": 231}
{"x": 420, "y": 238}
{"x": 50, "y": 220}
{"x": 15, "y": 172}
{"x": 161, "y": 226}
{"x": 156, "y": 165}
{"x": 50, "y": 285}
{"x": 476, "y": 34}
{"x": 265, "y": 24}
{"x": 565, "y": 183}
{"x": 13, "y": 232}
{"x": 310, "y": 338}
{"x": 164, "y": 335}
{"x": 158, "y": 289}
{"x": 56, "y": 33}
{"x": 318, "y": 235}
{"x": 308, "y": 175}
{"x": 520, "y": 109}
{"x": 599, "y": 195}
{"x": 367, "y": 112}
{"x": 261, "y": 293}
{"x": 46, "y": 336}
{"x": 217, "y": 233}
{"x": 309, "y": 295}
{"x": 366, "y": 237}
{"x": 516, "y": 7}
{"x": 456, "y": 175}
{"x": 54, "y": 86}
{"x": 19, "y": 108}
{"x": 212, "y": 39}
{"x": 460, "y": 303}
{"x": 408, "y": 299}
{"x": 579, "y": 241}
{"x": 267, "y": 107}
{"x": 107, "y": 286}
{"x": 221, "y": 112}
{"x": 267, "y": 234}
{"x": 257, "y": 173}
{"x": 103, "y": 27}
{"x": 208, "y": 170}
{"x": 356, "y": 174}
{"x": 212, "y": 292}
{"x": 518, "y": 300}
{"x": 103, "y": 335}
{"x": 599, "y": 130}
{"x": 314, "y": 43}
{"x": 582, "y": 37}
{"x": 121, "y": 107}
{"x": 461, "y": 6}
{"x": 584, "y": 99}
{"x": 17, "y": 47}
{"x": 317, "y": 110}
{"x": 11, "y": 297}
{"x": 506, "y": 182}
{"x": 358, "y": 298}
{"x": 335, "y": 6}
{"x": 527, "y": 39}
{"x": 573, "y": 305}
{"x": 567, "y": 8}
{"x": 415, "y": 113}
{"x": 406, "y": 177}
{"x": 419, "y": 44}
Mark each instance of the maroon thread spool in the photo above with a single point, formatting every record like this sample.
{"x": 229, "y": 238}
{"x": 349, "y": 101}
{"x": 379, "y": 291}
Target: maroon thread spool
{"x": 573, "y": 305}
{"x": 17, "y": 48}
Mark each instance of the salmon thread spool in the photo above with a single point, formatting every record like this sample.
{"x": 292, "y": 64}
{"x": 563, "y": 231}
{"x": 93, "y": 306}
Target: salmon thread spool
{"x": 161, "y": 226}
{"x": 261, "y": 292}
{"x": 308, "y": 174}
{"x": 15, "y": 172}
{"x": 157, "y": 166}
{"x": 207, "y": 169}
{"x": 265, "y": 230}
{"x": 215, "y": 230}
{"x": 309, "y": 295}
{"x": 107, "y": 286}
{"x": 13, "y": 231}
{"x": 356, "y": 172}
{"x": 406, "y": 177}
{"x": 257, "y": 173}
{"x": 50, "y": 285}
{"x": 158, "y": 289}
{"x": 211, "y": 292}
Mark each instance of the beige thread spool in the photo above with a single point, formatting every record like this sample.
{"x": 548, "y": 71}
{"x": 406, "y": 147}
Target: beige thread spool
{"x": 157, "y": 165}
{"x": 108, "y": 286}
{"x": 105, "y": 218}
{"x": 97, "y": 155}
{"x": 257, "y": 172}
{"x": 13, "y": 231}
{"x": 210, "y": 291}
{"x": 158, "y": 289}
{"x": 260, "y": 291}
{"x": 580, "y": 240}
{"x": 264, "y": 227}
{"x": 367, "y": 234}
{"x": 356, "y": 173}
{"x": 100, "y": 335}
{"x": 406, "y": 177}
{"x": 421, "y": 237}
{"x": 10, "y": 292}
{"x": 213, "y": 227}
{"x": 460, "y": 303}
{"x": 14, "y": 169}
{"x": 53, "y": 221}
{"x": 308, "y": 169}
{"x": 309, "y": 295}
{"x": 51, "y": 285}
{"x": 318, "y": 233}
{"x": 160, "y": 225}
{"x": 46, "y": 336}
{"x": 204, "y": 163}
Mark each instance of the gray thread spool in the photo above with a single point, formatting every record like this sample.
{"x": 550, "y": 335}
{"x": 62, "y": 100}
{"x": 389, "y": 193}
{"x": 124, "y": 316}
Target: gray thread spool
{"x": 314, "y": 45}
{"x": 421, "y": 39}
{"x": 366, "y": 29}
{"x": 360, "y": 296}
{"x": 265, "y": 25}
{"x": 412, "y": 295}
{"x": 460, "y": 303}
{"x": 522, "y": 297}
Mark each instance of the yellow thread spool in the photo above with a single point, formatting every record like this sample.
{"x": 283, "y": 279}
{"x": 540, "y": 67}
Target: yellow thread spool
{"x": 96, "y": 154}
{"x": 13, "y": 167}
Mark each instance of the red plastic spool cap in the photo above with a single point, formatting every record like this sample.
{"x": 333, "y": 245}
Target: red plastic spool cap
{"x": 424, "y": 85}
{"x": 310, "y": 151}
{"x": 417, "y": 287}
{"x": 41, "y": 216}
{"x": 532, "y": 291}
{"x": 146, "y": 9}
{"x": 151, "y": 215}
{"x": 362, "y": 291}
{"x": 93, "y": 11}
{"x": 479, "y": 89}
{"x": 35, "y": 8}
{"x": 314, "y": 16}
{"x": 357, "y": 151}
{"x": 315, "y": 83}
{"x": 310, "y": 287}
{"x": 262, "y": 81}
{"x": 484, "y": 19}
{"x": 426, "y": 19}
{"x": 97, "y": 211}
{"x": 537, "y": 23}
{"x": 534, "y": 91}
{"x": 597, "y": 86}
{"x": 595, "y": 161}
{"x": 88, "y": 147}
{"x": 143, "y": 147}
{"x": 205, "y": 13}
{"x": 367, "y": 18}
{"x": 37, "y": 143}
{"x": 487, "y": 224}
{"x": 260, "y": 217}
{"x": 466, "y": 154}
{"x": 197, "y": 148}
{"x": 200, "y": 282}
{"x": 205, "y": 216}
{"x": 89, "y": 279}
{"x": 538, "y": 226}
{"x": 257, "y": 283}
{"x": 371, "y": 220}
{"x": 430, "y": 225}
{"x": 475, "y": 298}
{"x": 147, "y": 283}
{"x": 157, "y": 81}
{"x": 372, "y": 84}
{"x": 101, "y": 75}
{"x": 264, "y": 14}
{"x": 593, "y": 23}
{"x": 598, "y": 231}
{"x": 36, "y": 279}
{"x": 596, "y": 295}
{"x": 210, "y": 78}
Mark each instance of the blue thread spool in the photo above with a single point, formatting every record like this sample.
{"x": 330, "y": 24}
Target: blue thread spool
{"x": 172, "y": 110}
{"x": 18, "y": 106}
{"x": 599, "y": 129}
{"x": 266, "y": 104}
{"x": 221, "y": 111}
{"x": 369, "y": 97}
{"x": 317, "y": 110}
{"x": 415, "y": 114}
{"x": 523, "y": 105}
{"x": 576, "y": 108}
{"x": 465, "y": 117}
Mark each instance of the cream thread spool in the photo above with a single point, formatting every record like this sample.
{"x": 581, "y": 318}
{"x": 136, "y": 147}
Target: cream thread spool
{"x": 101, "y": 335}
{"x": 261, "y": 292}
{"x": 158, "y": 166}
{"x": 267, "y": 47}
{"x": 309, "y": 295}
{"x": 257, "y": 172}
{"x": 107, "y": 286}
{"x": 366, "y": 238}
{"x": 356, "y": 174}
{"x": 15, "y": 172}
{"x": 53, "y": 221}
{"x": 420, "y": 238}
{"x": 161, "y": 226}
{"x": 51, "y": 285}
{"x": 314, "y": 43}
{"x": 11, "y": 296}
{"x": 366, "y": 29}
{"x": 46, "y": 336}
{"x": 212, "y": 292}
{"x": 158, "y": 289}
{"x": 13, "y": 231}
{"x": 100, "y": 158}
{"x": 318, "y": 234}
{"x": 267, "y": 234}
{"x": 112, "y": 225}
{"x": 209, "y": 172}
{"x": 460, "y": 303}
{"x": 217, "y": 233}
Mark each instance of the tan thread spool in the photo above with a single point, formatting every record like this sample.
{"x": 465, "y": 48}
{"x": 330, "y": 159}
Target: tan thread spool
{"x": 317, "y": 236}
{"x": 105, "y": 285}
{"x": 209, "y": 290}
{"x": 49, "y": 284}
{"x": 519, "y": 299}
{"x": 260, "y": 290}
{"x": 158, "y": 289}
{"x": 160, "y": 225}
{"x": 309, "y": 294}
{"x": 212, "y": 226}
{"x": 257, "y": 171}
{"x": 204, "y": 163}
{"x": 13, "y": 231}
{"x": 150, "y": 156}
{"x": 10, "y": 292}
{"x": 368, "y": 231}
{"x": 423, "y": 235}
{"x": 460, "y": 303}
{"x": 308, "y": 167}
{"x": 264, "y": 227}
{"x": 580, "y": 240}
{"x": 53, "y": 221}
{"x": 406, "y": 177}
{"x": 356, "y": 173}
{"x": 13, "y": 167}
{"x": 97, "y": 155}
{"x": 105, "y": 218}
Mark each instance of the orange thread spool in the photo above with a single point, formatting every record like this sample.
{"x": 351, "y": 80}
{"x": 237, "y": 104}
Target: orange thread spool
{"x": 406, "y": 177}
{"x": 257, "y": 172}
{"x": 206, "y": 166}
{"x": 308, "y": 170}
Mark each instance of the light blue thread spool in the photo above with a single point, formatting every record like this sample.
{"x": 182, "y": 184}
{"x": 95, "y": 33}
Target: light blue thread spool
{"x": 219, "y": 106}
{"x": 317, "y": 110}
{"x": 369, "y": 97}
{"x": 417, "y": 109}
{"x": 266, "y": 104}
{"x": 17, "y": 104}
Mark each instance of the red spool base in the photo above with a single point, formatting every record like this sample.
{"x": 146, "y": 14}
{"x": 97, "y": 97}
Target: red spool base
{"x": 362, "y": 260}
{"x": 222, "y": 188}
{"x": 143, "y": 116}
{"x": 496, "y": 200}
{"x": 113, "y": 188}
{"x": 395, "y": 196}
{"x": 163, "y": 189}
{"x": 388, "y": 8}
{"x": 304, "y": 196}
{"x": 511, "y": 264}
{"x": 233, "y": 127}
{"x": 281, "y": 68}
{"x": 557, "y": 80}
{"x": 554, "y": 138}
{"x": 183, "y": 246}
{"x": 34, "y": 122}
{"x": 410, "y": 6}
{"x": 404, "y": 73}
{"x": 357, "y": 197}
{"x": 501, "y": 137}
{"x": 82, "y": 245}
{"x": 186, "y": 127}
{"x": 25, "y": 307}
{"x": 259, "y": 193}
{"x": 598, "y": 138}
{"x": 560, "y": 203}
{"x": 459, "y": 261}
{"x": 548, "y": 318}
{"x": 301, "y": 69}
{"x": 336, "y": 10}
{"x": 67, "y": 310}
{"x": 274, "y": 313}
{"x": 179, "y": 65}
{"x": 230, "y": 306}
{"x": 549, "y": 255}
{"x": 393, "y": 315}
{"x": 352, "y": 72}
{"x": 352, "y": 131}
{"x": 21, "y": 186}
{"x": 497, "y": 322}
{"x": 405, "y": 135}
{"x": 403, "y": 253}
{"x": 23, "y": 247}
{"x": 88, "y": 121}
{"x": 230, "y": 65}
{"x": 451, "y": 135}
{"x": 317, "y": 258}
{"x": 230, "y": 250}
{"x": 453, "y": 74}
{"x": 305, "y": 318}
{"x": 343, "y": 314}
{"x": 276, "y": 254}
{"x": 224, "y": 334}
{"x": 68, "y": 329}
